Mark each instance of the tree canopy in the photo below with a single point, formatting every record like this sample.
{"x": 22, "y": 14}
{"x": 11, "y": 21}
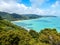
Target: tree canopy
{"x": 11, "y": 34}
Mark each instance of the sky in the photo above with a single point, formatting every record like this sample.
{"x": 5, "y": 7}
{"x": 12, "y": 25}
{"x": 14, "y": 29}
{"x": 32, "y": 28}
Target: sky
{"x": 40, "y": 7}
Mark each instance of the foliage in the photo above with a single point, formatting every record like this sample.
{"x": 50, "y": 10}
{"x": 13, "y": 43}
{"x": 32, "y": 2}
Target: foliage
{"x": 11, "y": 34}
{"x": 14, "y": 16}
{"x": 1, "y": 18}
{"x": 34, "y": 34}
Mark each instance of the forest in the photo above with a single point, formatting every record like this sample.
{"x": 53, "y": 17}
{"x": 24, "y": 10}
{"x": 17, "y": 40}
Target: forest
{"x": 11, "y": 34}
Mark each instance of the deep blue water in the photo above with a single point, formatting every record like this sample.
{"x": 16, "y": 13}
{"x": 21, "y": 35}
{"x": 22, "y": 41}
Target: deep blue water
{"x": 40, "y": 23}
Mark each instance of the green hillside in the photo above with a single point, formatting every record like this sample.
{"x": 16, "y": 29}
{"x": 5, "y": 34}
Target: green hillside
{"x": 11, "y": 17}
{"x": 11, "y": 34}
{"x": 14, "y": 16}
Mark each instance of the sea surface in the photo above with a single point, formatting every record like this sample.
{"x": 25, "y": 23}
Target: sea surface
{"x": 40, "y": 23}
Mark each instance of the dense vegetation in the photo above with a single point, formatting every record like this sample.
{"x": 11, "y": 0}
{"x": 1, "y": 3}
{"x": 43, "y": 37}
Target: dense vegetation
{"x": 11, "y": 34}
{"x": 14, "y": 16}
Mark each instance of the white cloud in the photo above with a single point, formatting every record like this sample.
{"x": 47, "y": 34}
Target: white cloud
{"x": 37, "y": 3}
{"x": 13, "y": 7}
{"x": 56, "y": 8}
{"x": 57, "y": 4}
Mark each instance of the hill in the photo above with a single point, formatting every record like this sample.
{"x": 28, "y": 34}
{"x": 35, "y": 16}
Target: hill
{"x": 14, "y": 16}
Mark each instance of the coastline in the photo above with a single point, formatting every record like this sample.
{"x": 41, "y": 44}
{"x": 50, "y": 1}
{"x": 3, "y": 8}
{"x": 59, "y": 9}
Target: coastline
{"x": 24, "y": 20}
{"x": 29, "y": 19}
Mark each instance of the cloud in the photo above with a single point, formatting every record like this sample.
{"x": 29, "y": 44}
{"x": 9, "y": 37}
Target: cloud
{"x": 38, "y": 3}
{"x": 56, "y": 8}
{"x": 12, "y": 6}
{"x": 57, "y": 4}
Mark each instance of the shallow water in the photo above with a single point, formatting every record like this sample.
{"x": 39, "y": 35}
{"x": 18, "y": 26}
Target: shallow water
{"x": 40, "y": 23}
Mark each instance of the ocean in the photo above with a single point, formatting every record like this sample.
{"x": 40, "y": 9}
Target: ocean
{"x": 40, "y": 23}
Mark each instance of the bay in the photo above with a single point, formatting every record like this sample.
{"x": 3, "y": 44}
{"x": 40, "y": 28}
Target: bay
{"x": 40, "y": 23}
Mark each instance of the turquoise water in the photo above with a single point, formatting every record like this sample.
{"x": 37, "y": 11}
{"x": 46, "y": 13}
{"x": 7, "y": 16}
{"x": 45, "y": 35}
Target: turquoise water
{"x": 40, "y": 23}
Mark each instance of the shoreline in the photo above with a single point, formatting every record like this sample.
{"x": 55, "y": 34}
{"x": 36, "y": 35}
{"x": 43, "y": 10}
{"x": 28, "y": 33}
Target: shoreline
{"x": 24, "y": 20}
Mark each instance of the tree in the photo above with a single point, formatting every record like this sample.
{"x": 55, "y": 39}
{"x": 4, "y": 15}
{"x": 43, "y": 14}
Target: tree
{"x": 1, "y": 18}
{"x": 49, "y": 36}
{"x": 34, "y": 34}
